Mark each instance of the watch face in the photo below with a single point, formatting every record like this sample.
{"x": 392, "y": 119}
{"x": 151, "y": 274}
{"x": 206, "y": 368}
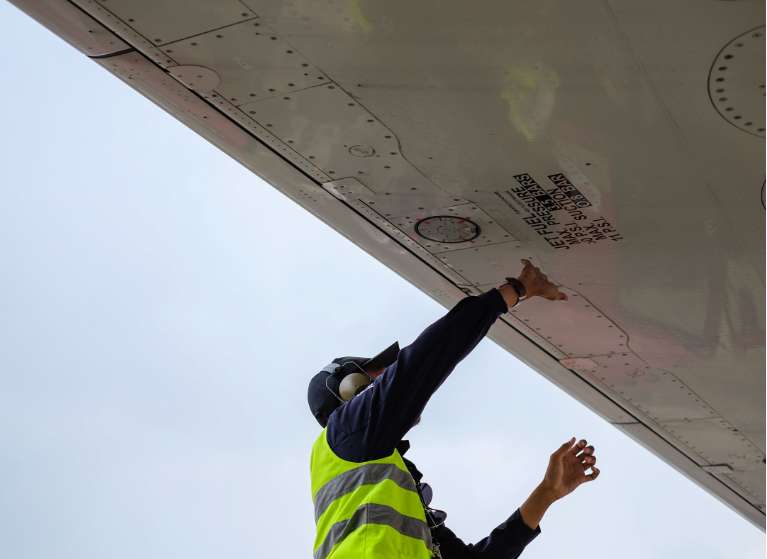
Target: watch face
{"x": 447, "y": 229}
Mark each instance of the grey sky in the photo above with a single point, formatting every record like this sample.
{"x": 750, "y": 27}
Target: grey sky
{"x": 162, "y": 310}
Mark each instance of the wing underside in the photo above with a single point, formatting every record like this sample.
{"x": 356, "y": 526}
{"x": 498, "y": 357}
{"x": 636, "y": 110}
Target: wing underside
{"x": 619, "y": 145}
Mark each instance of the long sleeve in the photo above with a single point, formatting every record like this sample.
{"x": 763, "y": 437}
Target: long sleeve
{"x": 371, "y": 424}
{"x": 507, "y": 541}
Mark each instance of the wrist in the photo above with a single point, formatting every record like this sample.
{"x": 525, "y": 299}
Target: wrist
{"x": 519, "y": 288}
{"x": 546, "y": 493}
{"x": 509, "y": 295}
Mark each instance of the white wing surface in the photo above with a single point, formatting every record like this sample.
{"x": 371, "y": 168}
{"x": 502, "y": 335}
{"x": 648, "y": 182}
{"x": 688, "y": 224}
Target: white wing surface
{"x": 618, "y": 144}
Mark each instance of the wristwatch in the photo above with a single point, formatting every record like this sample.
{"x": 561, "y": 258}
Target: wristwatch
{"x": 519, "y": 287}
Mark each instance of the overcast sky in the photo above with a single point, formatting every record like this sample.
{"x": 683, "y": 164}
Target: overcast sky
{"x": 162, "y": 311}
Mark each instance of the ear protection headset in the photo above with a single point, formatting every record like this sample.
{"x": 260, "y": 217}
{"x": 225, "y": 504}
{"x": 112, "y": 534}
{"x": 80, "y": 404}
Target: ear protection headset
{"x": 352, "y": 383}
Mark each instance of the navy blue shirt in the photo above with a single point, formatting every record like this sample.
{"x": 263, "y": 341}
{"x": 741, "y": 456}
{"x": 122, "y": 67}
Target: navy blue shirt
{"x": 372, "y": 424}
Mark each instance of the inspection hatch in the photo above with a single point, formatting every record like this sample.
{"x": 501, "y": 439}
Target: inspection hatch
{"x": 447, "y": 229}
{"x": 736, "y": 82}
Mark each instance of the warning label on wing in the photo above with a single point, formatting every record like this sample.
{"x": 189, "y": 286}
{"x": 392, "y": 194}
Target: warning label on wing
{"x": 558, "y": 212}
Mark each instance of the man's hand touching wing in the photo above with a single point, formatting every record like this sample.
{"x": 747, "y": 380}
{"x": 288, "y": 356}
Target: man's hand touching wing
{"x": 537, "y": 283}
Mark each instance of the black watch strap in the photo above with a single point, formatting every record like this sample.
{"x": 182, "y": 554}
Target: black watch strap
{"x": 519, "y": 287}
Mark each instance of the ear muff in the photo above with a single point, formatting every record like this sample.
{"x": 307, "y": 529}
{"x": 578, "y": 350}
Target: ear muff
{"x": 352, "y": 384}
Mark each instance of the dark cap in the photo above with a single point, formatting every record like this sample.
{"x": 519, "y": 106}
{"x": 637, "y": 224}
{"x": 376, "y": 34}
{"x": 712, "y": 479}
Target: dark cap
{"x": 323, "y": 387}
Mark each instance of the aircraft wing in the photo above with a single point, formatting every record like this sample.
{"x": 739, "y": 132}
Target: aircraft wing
{"x": 618, "y": 144}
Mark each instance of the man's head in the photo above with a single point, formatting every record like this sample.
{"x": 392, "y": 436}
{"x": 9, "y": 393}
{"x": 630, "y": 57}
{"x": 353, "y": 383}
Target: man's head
{"x": 344, "y": 378}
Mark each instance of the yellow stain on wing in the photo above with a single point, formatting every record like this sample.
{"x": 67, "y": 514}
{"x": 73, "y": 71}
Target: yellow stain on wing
{"x": 356, "y": 14}
{"x": 530, "y": 91}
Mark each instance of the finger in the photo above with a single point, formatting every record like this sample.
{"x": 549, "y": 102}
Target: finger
{"x": 588, "y": 462}
{"x": 593, "y": 475}
{"x": 562, "y": 297}
{"x": 578, "y": 446}
{"x": 526, "y": 262}
{"x": 589, "y": 450}
{"x": 565, "y": 447}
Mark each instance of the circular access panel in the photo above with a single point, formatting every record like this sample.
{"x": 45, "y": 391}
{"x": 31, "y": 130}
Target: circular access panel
{"x": 447, "y": 229}
{"x": 736, "y": 82}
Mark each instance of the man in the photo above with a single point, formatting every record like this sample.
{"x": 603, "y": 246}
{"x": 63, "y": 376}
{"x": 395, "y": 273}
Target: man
{"x": 369, "y": 501}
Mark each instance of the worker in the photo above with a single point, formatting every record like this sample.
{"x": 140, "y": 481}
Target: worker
{"x": 369, "y": 501}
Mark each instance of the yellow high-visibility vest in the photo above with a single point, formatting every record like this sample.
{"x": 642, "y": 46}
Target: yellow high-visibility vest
{"x": 366, "y": 510}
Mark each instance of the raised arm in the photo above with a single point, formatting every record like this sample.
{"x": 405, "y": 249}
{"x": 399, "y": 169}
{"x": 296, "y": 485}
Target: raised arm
{"x": 566, "y": 471}
{"x": 371, "y": 425}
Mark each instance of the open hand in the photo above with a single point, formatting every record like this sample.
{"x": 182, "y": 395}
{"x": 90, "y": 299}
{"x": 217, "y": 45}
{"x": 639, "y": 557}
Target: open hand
{"x": 536, "y": 283}
{"x": 567, "y": 468}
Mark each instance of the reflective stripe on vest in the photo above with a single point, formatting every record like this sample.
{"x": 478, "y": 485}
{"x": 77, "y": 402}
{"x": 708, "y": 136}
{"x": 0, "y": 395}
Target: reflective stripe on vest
{"x": 371, "y": 513}
{"x": 366, "y": 510}
{"x": 367, "y": 474}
